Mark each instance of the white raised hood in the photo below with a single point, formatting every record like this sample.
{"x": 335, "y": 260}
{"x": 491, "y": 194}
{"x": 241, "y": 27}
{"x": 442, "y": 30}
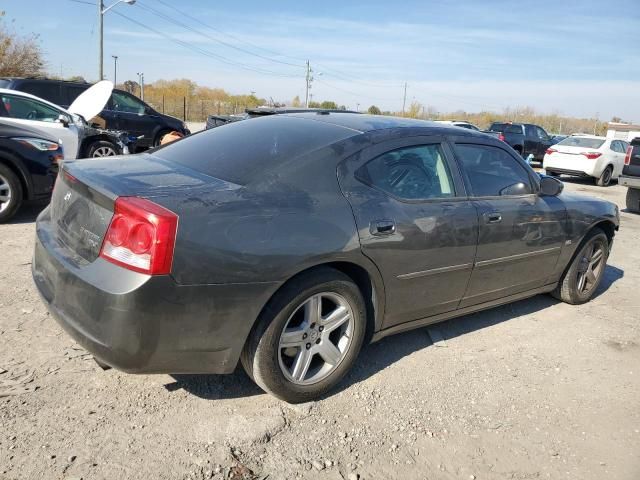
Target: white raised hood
{"x": 92, "y": 101}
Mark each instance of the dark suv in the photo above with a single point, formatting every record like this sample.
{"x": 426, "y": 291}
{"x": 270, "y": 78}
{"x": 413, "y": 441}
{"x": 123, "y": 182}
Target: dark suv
{"x": 122, "y": 112}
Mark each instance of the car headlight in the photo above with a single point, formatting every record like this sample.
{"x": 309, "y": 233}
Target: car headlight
{"x": 38, "y": 143}
{"x": 184, "y": 126}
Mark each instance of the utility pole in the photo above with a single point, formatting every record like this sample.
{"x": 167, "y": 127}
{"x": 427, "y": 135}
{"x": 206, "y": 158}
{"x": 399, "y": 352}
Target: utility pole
{"x": 115, "y": 69}
{"x": 595, "y": 125}
{"x": 308, "y": 82}
{"x": 100, "y": 40}
{"x": 141, "y": 83}
{"x": 404, "y": 100}
{"x": 101, "y": 12}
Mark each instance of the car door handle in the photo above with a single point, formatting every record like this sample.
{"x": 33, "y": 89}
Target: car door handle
{"x": 492, "y": 217}
{"x": 382, "y": 227}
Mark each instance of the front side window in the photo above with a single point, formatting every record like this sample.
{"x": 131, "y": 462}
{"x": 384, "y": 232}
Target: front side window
{"x": 542, "y": 135}
{"x": 126, "y": 103}
{"x": 410, "y": 173}
{"x": 27, "y": 109}
{"x": 492, "y": 172}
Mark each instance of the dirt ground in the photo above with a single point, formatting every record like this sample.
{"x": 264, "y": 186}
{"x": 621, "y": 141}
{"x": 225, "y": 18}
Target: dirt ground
{"x": 537, "y": 389}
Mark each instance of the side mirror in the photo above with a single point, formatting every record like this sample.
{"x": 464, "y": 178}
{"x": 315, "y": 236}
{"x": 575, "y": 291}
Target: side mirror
{"x": 64, "y": 120}
{"x": 550, "y": 187}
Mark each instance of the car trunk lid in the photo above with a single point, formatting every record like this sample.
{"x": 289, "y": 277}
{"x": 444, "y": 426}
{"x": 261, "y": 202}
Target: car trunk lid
{"x": 83, "y": 200}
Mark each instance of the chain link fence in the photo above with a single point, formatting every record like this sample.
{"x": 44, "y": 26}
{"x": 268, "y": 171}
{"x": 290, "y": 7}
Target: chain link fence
{"x": 194, "y": 110}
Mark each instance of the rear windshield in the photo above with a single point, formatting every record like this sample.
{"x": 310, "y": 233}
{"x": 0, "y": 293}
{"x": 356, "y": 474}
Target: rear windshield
{"x": 584, "y": 142}
{"x": 506, "y": 128}
{"x": 241, "y": 152}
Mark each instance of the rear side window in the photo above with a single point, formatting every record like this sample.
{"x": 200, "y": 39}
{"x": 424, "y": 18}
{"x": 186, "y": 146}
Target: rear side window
{"x": 492, "y": 172}
{"x": 584, "y": 142}
{"x": 244, "y": 151}
{"x": 412, "y": 173}
{"x": 49, "y": 91}
{"x": 506, "y": 128}
{"x": 72, "y": 92}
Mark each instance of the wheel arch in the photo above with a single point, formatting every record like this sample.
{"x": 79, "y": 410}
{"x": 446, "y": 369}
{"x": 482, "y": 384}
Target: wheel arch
{"x": 87, "y": 142}
{"x": 366, "y": 277}
{"x": 16, "y": 167}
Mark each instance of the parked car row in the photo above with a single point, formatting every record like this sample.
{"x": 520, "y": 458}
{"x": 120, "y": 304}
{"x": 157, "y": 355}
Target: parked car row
{"x": 120, "y": 111}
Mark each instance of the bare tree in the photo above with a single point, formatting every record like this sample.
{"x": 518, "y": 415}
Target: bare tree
{"x": 20, "y": 56}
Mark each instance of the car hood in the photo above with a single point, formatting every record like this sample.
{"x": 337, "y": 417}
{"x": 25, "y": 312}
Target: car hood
{"x": 8, "y": 131}
{"x": 92, "y": 101}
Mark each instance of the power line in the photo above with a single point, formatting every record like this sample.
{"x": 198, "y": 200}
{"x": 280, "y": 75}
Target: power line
{"x": 197, "y": 20}
{"x": 202, "y": 51}
{"x": 188, "y": 27}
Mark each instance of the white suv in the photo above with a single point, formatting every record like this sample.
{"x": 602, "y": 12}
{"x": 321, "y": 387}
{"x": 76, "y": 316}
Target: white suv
{"x": 587, "y": 156}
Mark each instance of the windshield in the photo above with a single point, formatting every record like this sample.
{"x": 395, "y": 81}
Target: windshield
{"x": 584, "y": 142}
{"x": 506, "y": 128}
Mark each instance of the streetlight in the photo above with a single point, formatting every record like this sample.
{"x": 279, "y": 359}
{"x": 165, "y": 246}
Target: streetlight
{"x": 101, "y": 12}
{"x": 115, "y": 69}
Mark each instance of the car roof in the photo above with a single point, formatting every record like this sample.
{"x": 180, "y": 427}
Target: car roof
{"x": 11, "y": 130}
{"x": 19, "y": 93}
{"x": 281, "y": 110}
{"x": 368, "y": 123}
{"x": 43, "y": 79}
{"x": 587, "y": 135}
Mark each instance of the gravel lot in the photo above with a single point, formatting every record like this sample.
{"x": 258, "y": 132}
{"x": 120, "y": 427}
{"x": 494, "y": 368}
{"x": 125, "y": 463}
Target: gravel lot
{"x": 536, "y": 389}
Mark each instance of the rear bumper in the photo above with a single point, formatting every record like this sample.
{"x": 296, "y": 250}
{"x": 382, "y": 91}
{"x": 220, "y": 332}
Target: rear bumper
{"x": 631, "y": 182}
{"x": 564, "y": 171}
{"x": 575, "y": 165}
{"x": 142, "y": 324}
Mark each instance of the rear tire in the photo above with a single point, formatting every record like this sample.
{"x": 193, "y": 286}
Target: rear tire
{"x": 605, "y": 178}
{"x": 11, "y": 194}
{"x": 633, "y": 200}
{"x": 101, "y": 149}
{"x": 582, "y": 278}
{"x": 158, "y": 139}
{"x": 299, "y": 370}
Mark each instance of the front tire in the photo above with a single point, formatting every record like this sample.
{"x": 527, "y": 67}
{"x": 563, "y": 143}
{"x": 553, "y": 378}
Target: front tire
{"x": 633, "y": 200}
{"x": 308, "y": 337}
{"x": 586, "y": 270}
{"x": 102, "y": 148}
{"x": 605, "y": 177}
{"x": 10, "y": 193}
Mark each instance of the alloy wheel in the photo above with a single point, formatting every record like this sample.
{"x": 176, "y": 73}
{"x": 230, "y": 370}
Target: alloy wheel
{"x": 316, "y": 338}
{"x": 104, "y": 152}
{"x": 5, "y": 194}
{"x": 590, "y": 268}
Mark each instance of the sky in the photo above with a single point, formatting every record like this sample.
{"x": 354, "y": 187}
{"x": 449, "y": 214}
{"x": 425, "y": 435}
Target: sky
{"x": 578, "y": 58}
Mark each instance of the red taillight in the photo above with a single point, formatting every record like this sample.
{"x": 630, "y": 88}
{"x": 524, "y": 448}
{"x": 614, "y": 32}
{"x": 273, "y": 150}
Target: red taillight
{"x": 591, "y": 155}
{"x": 501, "y": 137}
{"x": 141, "y": 236}
{"x": 627, "y": 157}
{"x": 550, "y": 151}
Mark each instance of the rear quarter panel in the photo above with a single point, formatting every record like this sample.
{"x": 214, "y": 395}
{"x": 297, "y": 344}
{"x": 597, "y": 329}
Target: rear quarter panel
{"x": 290, "y": 220}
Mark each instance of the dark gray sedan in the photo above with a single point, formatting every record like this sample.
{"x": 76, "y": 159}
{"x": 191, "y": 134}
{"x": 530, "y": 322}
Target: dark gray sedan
{"x": 287, "y": 242}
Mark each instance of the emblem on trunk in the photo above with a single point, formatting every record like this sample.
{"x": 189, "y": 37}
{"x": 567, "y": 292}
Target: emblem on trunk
{"x": 67, "y": 197}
